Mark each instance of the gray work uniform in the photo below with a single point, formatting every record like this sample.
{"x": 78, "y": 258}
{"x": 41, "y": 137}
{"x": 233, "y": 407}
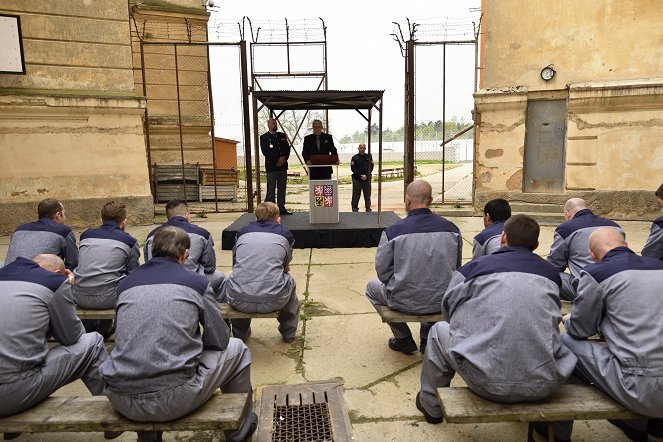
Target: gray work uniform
{"x": 570, "y": 248}
{"x": 258, "y": 283}
{"x": 488, "y": 241}
{"x": 502, "y": 335}
{"x": 621, "y": 298}
{"x": 37, "y": 303}
{"x": 654, "y": 246}
{"x": 201, "y": 259}
{"x": 107, "y": 255}
{"x": 161, "y": 368}
{"x": 44, "y": 236}
{"x": 415, "y": 260}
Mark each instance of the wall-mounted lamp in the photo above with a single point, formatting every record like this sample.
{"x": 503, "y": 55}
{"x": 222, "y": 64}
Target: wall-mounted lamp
{"x": 547, "y": 73}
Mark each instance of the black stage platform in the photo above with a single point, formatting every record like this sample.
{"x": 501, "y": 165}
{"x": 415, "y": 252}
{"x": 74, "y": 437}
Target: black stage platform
{"x": 355, "y": 229}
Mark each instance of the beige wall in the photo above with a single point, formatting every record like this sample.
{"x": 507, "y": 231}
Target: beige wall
{"x": 608, "y": 59}
{"x": 166, "y": 77}
{"x": 583, "y": 40}
{"x": 71, "y": 128}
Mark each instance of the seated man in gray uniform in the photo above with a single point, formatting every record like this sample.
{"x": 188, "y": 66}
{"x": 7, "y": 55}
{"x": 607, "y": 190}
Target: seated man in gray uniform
{"x": 37, "y": 303}
{"x": 260, "y": 281}
{"x": 201, "y": 258}
{"x": 415, "y": 260}
{"x": 570, "y": 245}
{"x": 495, "y": 213}
{"x": 107, "y": 255}
{"x": 161, "y": 368}
{"x": 49, "y": 235}
{"x": 501, "y": 334}
{"x": 620, "y": 297}
{"x": 654, "y": 246}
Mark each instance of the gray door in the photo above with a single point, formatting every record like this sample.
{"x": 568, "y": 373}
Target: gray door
{"x": 544, "y": 145}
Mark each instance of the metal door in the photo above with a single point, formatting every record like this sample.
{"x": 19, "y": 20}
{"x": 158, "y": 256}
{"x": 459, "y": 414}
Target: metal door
{"x": 544, "y": 145}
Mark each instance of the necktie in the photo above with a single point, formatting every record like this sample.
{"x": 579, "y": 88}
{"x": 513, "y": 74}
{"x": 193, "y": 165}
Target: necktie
{"x": 317, "y": 142}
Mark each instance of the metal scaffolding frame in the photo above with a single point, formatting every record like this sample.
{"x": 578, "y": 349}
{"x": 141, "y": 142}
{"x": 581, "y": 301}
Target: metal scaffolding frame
{"x": 326, "y": 100}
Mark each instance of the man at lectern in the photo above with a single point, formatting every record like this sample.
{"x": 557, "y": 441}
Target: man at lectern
{"x": 318, "y": 143}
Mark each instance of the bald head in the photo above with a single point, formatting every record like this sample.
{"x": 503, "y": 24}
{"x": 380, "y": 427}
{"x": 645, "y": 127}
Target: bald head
{"x": 52, "y": 263}
{"x": 573, "y": 206}
{"x": 418, "y": 195}
{"x": 604, "y": 239}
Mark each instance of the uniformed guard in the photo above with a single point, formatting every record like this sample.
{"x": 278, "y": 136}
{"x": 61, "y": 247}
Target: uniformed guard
{"x": 276, "y": 149}
{"x": 362, "y": 167}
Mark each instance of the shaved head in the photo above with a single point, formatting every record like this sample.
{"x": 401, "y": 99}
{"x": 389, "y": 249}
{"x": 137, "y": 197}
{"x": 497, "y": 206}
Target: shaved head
{"x": 604, "y": 239}
{"x": 573, "y": 206}
{"x": 52, "y": 263}
{"x": 418, "y": 194}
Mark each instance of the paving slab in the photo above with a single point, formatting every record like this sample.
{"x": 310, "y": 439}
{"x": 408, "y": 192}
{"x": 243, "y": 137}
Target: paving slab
{"x": 341, "y": 288}
{"x": 343, "y": 256}
{"x": 351, "y": 347}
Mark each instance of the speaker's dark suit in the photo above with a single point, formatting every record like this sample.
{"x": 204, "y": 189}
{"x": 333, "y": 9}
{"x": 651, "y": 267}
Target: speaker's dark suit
{"x": 326, "y": 148}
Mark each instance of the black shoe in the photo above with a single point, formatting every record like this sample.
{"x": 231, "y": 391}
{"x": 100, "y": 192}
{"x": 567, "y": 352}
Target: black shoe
{"x": 629, "y": 431}
{"x": 430, "y": 419}
{"x": 404, "y": 345}
{"x": 542, "y": 429}
{"x": 655, "y": 427}
{"x": 284, "y": 212}
{"x": 10, "y": 436}
{"x": 252, "y": 427}
{"x": 368, "y": 210}
{"x": 112, "y": 434}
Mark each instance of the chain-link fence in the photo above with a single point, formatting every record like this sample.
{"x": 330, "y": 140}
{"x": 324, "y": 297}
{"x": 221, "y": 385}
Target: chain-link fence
{"x": 444, "y": 87}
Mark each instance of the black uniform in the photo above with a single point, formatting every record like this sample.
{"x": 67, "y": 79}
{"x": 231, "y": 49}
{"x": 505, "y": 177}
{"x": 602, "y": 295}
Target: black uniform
{"x": 361, "y": 165}
{"x": 275, "y": 145}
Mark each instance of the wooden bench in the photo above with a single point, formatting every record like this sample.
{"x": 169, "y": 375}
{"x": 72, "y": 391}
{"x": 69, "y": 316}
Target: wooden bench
{"x": 226, "y": 311}
{"x": 96, "y": 414}
{"x": 392, "y": 171}
{"x": 571, "y": 402}
{"x": 389, "y": 315}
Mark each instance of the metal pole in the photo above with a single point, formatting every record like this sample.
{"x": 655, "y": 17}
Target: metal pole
{"x": 146, "y": 124}
{"x": 179, "y": 121}
{"x": 247, "y": 125}
{"x": 247, "y": 159}
{"x": 380, "y": 160}
{"x": 444, "y": 109}
{"x": 369, "y": 132}
{"x": 409, "y": 141}
{"x": 211, "y": 113}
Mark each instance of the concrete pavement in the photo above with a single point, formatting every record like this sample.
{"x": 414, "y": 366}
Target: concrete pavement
{"x": 340, "y": 336}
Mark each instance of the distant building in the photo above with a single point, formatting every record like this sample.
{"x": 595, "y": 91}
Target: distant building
{"x": 571, "y": 103}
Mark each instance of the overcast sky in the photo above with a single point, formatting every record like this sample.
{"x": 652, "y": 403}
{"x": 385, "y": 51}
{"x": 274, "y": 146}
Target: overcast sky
{"x": 361, "y": 52}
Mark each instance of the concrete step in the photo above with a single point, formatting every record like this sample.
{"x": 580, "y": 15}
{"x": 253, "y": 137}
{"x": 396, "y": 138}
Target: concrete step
{"x": 525, "y": 207}
{"x": 545, "y": 218}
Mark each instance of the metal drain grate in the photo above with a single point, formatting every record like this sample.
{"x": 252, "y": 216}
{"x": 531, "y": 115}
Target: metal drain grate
{"x": 302, "y": 423}
{"x": 311, "y": 412}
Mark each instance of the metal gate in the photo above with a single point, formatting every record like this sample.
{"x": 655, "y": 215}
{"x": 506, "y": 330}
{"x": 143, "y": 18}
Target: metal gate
{"x": 441, "y": 78}
{"x": 192, "y": 141}
{"x": 544, "y": 145}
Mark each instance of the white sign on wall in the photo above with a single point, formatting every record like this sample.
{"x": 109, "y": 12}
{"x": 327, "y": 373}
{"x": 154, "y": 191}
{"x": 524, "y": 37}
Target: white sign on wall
{"x": 11, "y": 45}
